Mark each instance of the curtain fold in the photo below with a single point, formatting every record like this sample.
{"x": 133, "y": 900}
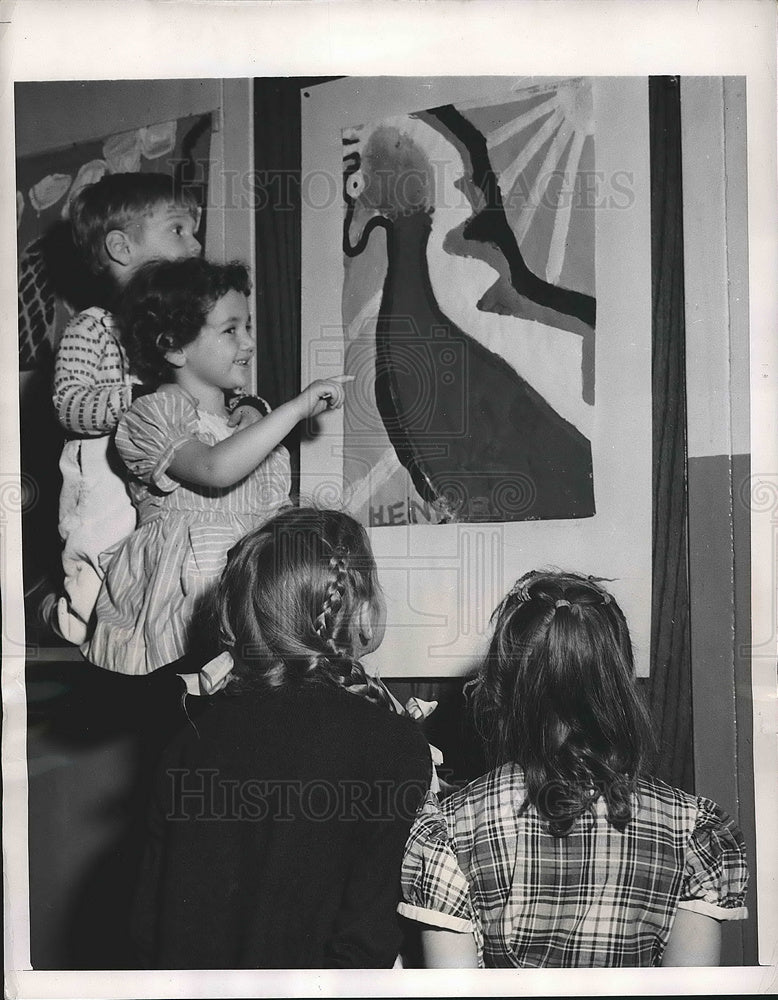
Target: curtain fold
{"x": 669, "y": 686}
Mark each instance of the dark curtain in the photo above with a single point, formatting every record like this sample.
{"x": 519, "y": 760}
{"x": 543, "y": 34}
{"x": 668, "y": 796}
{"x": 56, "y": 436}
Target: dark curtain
{"x": 669, "y": 686}
{"x": 276, "y": 196}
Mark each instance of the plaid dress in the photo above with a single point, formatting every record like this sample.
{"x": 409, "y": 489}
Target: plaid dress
{"x": 595, "y": 898}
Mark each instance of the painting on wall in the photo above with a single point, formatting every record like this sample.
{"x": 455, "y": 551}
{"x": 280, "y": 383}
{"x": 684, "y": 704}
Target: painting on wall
{"x": 476, "y": 253}
{"x": 468, "y": 308}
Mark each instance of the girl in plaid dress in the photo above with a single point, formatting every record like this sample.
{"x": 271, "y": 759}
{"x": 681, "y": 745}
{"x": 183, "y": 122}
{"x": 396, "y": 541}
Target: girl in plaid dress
{"x": 566, "y": 854}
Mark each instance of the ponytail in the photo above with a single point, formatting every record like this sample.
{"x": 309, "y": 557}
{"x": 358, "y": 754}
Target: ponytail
{"x": 556, "y": 695}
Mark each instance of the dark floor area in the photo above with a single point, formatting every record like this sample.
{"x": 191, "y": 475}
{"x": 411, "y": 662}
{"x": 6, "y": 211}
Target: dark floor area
{"x": 92, "y": 739}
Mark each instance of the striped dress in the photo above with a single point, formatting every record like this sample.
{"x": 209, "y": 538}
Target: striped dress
{"x": 158, "y": 580}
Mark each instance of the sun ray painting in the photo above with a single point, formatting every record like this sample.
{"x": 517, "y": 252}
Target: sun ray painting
{"x": 469, "y": 310}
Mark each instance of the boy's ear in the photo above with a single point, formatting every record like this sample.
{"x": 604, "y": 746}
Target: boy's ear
{"x": 117, "y": 246}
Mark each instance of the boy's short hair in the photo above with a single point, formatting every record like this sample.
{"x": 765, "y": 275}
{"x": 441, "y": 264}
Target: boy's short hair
{"x": 116, "y": 201}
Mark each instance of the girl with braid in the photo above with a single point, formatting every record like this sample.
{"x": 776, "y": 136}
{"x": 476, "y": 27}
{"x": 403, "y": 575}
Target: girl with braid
{"x": 277, "y": 828}
{"x": 567, "y": 853}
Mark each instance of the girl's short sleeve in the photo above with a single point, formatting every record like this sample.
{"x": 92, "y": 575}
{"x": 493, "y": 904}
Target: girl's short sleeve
{"x": 434, "y": 888}
{"x": 151, "y": 431}
{"x": 715, "y": 874}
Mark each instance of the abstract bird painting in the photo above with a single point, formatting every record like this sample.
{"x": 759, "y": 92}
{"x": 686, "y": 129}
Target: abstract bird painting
{"x": 469, "y": 310}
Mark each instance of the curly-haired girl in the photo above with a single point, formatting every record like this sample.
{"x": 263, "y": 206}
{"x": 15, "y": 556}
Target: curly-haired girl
{"x": 198, "y": 483}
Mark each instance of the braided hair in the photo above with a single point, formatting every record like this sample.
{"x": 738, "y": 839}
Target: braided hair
{"x": 290, "y": 599}
{"x": 556, "y": 694}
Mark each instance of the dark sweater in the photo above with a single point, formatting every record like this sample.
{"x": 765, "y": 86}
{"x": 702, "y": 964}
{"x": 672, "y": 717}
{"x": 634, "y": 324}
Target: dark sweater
{"x": 276, "y": 834}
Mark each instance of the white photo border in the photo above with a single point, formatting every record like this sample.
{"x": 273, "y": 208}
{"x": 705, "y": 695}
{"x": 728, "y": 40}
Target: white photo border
{"x": 45, "y": 39}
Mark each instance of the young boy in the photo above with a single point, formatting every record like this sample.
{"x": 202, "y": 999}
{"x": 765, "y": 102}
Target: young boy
{"x": 120, "y": 223}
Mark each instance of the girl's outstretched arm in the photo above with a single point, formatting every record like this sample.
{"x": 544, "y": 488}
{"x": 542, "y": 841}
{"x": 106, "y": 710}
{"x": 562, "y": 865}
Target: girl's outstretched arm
{"x": 444, "y": 949}
{"x": 695, "y": 939}
{"x": 223, "y": 464}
